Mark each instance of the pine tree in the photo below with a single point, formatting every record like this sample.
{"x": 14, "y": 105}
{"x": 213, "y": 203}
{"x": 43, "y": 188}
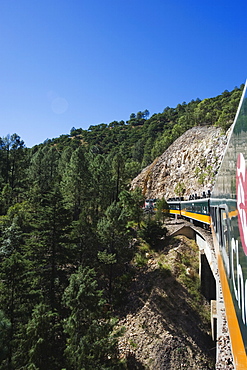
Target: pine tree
{"x": 84, "y": 244}
{"x": 42, "y": 339}
{"x": 16, "y": 301}
{"x": 102, "y": 185}
{"x": 5, "y": 327}
{"x": 91, "y": 343}
{"x": 43, "y": 172}
{"x": 132, "y": 203}
{"x": 75, "y": 183}
{"x": 114, "y": 240}
{"x": 49, "y": 247}
{"x": 13, "y": 169}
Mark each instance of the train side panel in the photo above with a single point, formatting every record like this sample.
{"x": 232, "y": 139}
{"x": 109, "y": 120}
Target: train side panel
{"x": 228, "y": 206}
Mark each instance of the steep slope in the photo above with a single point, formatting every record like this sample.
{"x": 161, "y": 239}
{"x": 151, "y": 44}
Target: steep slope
{"x": 188, "y": 166}
{"x": 166, "y": 319}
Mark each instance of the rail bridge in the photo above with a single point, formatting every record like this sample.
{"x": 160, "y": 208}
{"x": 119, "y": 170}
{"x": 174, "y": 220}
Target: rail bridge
{"x": 210, "y": 285}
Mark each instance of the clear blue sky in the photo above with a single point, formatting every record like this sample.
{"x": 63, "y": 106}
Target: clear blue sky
{"x": 66, "y": 63}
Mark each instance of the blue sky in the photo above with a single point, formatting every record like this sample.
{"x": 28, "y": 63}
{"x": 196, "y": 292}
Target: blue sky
{"x": 78, "y": 63}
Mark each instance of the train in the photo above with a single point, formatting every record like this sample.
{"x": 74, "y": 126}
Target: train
{"x": 224, "y": 212}
{"x": 196, "y": 208}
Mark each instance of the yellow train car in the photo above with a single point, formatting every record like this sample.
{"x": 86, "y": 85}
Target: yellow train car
{"x": 196, "y": 210}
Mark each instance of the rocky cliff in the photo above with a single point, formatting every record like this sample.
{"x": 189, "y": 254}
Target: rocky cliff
{"x": 187, "y": 167}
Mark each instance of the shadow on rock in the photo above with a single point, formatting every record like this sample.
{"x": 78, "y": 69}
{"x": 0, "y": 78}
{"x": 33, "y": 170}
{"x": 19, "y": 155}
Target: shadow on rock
{"x": 133, "y": 364}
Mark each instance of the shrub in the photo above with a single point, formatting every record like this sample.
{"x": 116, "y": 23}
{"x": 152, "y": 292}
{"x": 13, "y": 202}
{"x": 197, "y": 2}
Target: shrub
{"x": 152, "y": 233}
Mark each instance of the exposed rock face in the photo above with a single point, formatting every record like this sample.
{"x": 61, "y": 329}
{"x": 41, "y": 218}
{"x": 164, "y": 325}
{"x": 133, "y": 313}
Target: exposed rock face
{"x": 191, "y": 162}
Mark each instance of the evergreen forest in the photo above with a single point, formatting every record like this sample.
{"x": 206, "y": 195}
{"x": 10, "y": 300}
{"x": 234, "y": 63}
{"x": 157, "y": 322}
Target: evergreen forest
{"x": 69, "y": 232}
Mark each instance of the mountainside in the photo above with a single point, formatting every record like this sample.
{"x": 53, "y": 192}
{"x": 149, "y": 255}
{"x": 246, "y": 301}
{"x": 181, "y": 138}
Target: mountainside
{"x": 187, "y": 167}
{"x": 75, "y": 245}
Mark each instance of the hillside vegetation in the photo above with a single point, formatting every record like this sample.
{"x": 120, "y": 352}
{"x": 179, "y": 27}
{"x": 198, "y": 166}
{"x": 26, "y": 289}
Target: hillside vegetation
{"x": 71, "y": 233}
{"x": 142, "y": 139}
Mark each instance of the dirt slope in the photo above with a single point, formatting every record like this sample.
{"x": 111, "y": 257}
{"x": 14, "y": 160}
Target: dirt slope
{"x": 166, "y": 319}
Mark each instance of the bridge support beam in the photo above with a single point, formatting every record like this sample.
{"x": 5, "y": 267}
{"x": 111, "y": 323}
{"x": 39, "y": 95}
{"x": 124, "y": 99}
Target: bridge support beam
{"x": 208, "y": 283}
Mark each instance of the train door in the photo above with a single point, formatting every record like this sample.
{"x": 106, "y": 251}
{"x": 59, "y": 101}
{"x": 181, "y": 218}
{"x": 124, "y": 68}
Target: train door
{"x": 221, "y": 224}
